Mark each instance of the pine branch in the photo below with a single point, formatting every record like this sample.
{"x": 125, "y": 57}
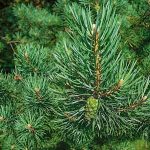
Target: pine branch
{"x": 97, "y": 60}
{"x": 87, "y": 73}
{"x": 134, "y": 105}
{"x": 70, "y": 117}
{"x": 112, "y": 90}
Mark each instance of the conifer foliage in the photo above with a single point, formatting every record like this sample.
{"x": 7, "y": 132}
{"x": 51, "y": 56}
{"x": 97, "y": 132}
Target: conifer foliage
{"x": 71, "y": 81}
{"x": 103, "y": 92}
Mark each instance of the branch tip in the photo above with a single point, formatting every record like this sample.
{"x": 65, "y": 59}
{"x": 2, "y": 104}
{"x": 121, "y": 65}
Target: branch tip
{"x": 145, "y": 98}
{"x": 30, "y": 128}
{"x": 93, "y": 28}
{"x": 1, "y": 118}
{"x": 120, "y": 83}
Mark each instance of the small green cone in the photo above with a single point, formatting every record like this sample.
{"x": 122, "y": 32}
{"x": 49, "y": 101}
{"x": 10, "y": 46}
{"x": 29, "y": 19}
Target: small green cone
{"x": 91, "y": 108}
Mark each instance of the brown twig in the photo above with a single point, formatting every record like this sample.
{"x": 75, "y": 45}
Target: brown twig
{"x": 12, "y": 47}
{"x": 26, "y": 56}
{"x": 97, "y": 59}
{"x": 133, "y": 105}
{"x": 112, "y": 89}
{"x": 70, "y": 117}
{"x": 10, "y": 42}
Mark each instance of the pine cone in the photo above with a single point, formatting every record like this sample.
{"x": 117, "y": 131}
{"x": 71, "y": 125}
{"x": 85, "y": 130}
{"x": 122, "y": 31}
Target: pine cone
{"x": 91, "y": 108}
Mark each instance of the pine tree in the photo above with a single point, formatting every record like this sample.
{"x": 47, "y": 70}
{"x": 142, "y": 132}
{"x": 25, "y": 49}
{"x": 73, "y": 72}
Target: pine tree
{"x": 27, "y": 107}
{"x": 25, "y": 22}
{"x": 71, "y": 81}
{"x": 135, "y": 26}
{"x": 104, "y": 97}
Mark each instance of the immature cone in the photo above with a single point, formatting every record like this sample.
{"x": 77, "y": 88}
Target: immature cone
{"x": 91, "y": 108}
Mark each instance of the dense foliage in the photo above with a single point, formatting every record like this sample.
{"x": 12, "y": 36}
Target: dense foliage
{"x": 75, "y": 74}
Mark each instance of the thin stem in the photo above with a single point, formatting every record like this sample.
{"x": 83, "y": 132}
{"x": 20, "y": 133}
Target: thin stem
{"x": 112, "y": 90}
{"x": 97, "y": 60}
{"x": 133, "y": 105}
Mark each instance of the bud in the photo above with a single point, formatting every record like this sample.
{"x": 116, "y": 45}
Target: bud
{"x": 17, "y": 77}
{"x": 35, "y": 69}
{"x": 144, "y": 98}
{"x": 37, "y": 90}
{"x": 12, "y": 147}
{"x": 120, "y": 83}
{"x": 26, "y": 55}
{"x": 1, "y": 118}
{"x": 93, "y": 28}
{"x": 29, "y": 126}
